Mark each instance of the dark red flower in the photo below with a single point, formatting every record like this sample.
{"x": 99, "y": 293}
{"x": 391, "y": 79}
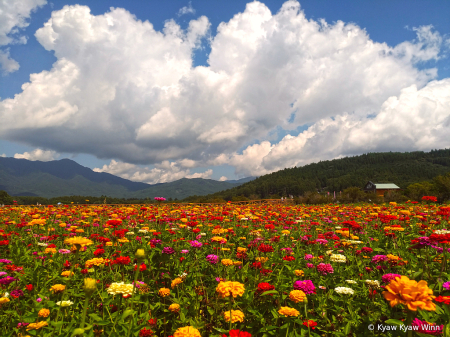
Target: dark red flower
{"x": 310, "y": 323}
{"x": 237, "y": 333}
{"x": 289, "y": 258}
{"x": 145, "y": 332}
{"x": 29, "y": 287}
{"x": 152, "y": 321}
{"x": 99, "y": 252}
{"x": 265, "y": 248}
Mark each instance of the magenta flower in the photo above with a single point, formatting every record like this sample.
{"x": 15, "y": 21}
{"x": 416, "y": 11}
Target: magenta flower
{"x": 446, "y": 285}
{"x": 7, "y": 280}
{"x": 379, "y": 258}
{"x": 308, "y": 257}
{"x": 168, "y": 250}
{"x": 213, "y": 259}
{"x": 427, "y": 328}
{"x": 306, "y": 286}
{"x": 196, "y": 244}
{"x": 325, "y": 268}
{"x": 386, "y": 278}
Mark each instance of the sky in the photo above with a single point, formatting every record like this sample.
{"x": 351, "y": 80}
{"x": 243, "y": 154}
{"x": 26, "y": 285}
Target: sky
{"x": 157, "y": 90}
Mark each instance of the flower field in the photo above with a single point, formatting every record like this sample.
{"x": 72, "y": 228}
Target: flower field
{"x": 225, "y": 270}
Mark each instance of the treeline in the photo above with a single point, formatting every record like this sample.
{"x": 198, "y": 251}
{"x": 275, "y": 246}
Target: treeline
{"x": 6, "y": 199}
{"x": 402, "y": 169}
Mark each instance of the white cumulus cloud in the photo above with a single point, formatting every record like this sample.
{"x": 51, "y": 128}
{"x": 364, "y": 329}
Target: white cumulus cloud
{"x": 133, "y": 91}
{"x": 186, "y": 9}
{"x": 161, "y": 173}
{"x": 417, "y": 119}
{"x": 14, "y": 16}
{"x": 38, "y": 154}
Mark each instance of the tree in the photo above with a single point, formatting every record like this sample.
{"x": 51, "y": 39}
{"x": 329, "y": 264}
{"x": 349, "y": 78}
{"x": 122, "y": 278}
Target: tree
{"x": 5, "y": 198}
{"x": 443, "y": 186}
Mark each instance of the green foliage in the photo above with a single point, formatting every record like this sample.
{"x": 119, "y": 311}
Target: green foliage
{"x": 402, "y": 169}
{"x": 5, "y": 198}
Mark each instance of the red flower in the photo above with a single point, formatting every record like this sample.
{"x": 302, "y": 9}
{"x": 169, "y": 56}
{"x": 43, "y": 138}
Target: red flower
{"x": 265, "y": 248}
{"x": 182, "y": 259}
{"x": 443, "y": 299}
{"x": 152, "y": 321}
{"x": 310, "y": 323}
{"x": 99, "y": 252}
{"x": 29, "y": 287}
{"x": 145, "y": 332}
{"x": 288, "y": 258}
{"x": 84, "y": 271}
{"x": 142, "y": 267}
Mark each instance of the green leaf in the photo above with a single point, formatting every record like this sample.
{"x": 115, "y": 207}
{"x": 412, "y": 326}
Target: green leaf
{"x": 221, "y": 330}
{"x": 394, "y": 321}
{"x": 95, "y": 317}
{"x": 348, "y": 327}
{"x": 269, "y": 292}
{"x": 127, "y": 313}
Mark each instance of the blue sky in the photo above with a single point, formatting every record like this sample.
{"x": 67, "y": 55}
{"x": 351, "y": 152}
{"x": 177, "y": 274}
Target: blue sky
{"x": 276, "y": 93}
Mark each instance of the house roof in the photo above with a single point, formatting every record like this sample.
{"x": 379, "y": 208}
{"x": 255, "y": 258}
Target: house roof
{"x": 386, "y": 186}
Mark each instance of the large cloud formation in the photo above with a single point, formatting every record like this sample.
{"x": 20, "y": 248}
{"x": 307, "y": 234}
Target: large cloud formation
{"x": 13, "y": 18}
{"x": 120, "y": 89}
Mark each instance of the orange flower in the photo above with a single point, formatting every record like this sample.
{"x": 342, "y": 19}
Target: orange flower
{"x": 413, "y": 294}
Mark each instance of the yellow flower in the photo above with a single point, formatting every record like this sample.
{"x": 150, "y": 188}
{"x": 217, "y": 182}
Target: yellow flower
{"x": 392, "y": 257}
{"x": 237, "y": 263}
{"x": 410, "y": 293}
{"x": 44, "y": 313}
{"x": 78, "y": 240}
{"x": 187, "y": 331}
{"x": 57, "y": 288}
{"x": 218, "y": 239}
{"x": 286, "y": 311}
{"x": 95, "y": 262}
{"x": 4, "y": 300}
{"x": 163, "y": 292}
{"x": 297, "y": 296}
{"x": 176, "y": 282}
{"x": 241, "y": 250}
{"x": 90, "y": 285}
{"x": 174, "y": 307}
{"x": 236, "y": 316}
{"x": 262, "y": 259}
{"x": 227, "y": 262}
{"x": 230, "y": 288}
{"x": 36, "y": 326}
{"x": 299, "y": 272}
{"x": 66, "y": 273}
{"x": 50, "y": 250}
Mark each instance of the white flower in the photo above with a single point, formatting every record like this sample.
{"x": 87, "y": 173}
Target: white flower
{"x": 42, "y": 244}
{"x": 143, "y": 231}
{"x": 441, "y": 231}
{"x": 373, "y": 283}
{"x": 6, "y": 295}
{"x": 129, "y": 233}
{"x": 146, "y": 237}
{"x": 329, "y": 252}
{"x": 120, "y": 288}
{"x": 64, "y": 303}
{"x": 344, "y": 290}
{"x": 338, "y": 258}
{"x": 243, "y": 219}
{"x": 351, "y": 281}
{"x": 203, "y": 234}
{"x": 338, "y": 227}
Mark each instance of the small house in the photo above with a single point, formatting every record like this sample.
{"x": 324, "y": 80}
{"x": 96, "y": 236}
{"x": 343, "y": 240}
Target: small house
{"x": 380, "y": 189}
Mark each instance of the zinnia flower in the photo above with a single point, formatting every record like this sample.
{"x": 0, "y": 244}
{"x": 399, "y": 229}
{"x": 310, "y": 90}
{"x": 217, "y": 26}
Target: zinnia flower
{"x": 413, "y": 294}
{"x": 236, "y": 316}
{"x": 163, "y": 292}
{"x": 297, "y": 296}
{"x": 57, "y": 288}
{"x": 187, "y": 331}
{"x": 230, "y": 288}
{"x": 36, "y": 326}
{"x": 344, "y": 290}
{"x": 78, "y": 240}
{"x": 286, "y": 311}
{"x": 120, "y": 288}
{"x": 176, "y": 282}
{"x": 64, "y": 303}
{"x": 427, "y": 327}
{"x": 386, "y": 278}
{"x": 299, "y": 273}
{"x": 227, "y": 262}
{"x": 306, "y": 286}
{"x": 44, "y": 313}
{"x": 174, "y": 307}
{"x": 325, "y": 268}
{"x": 213, "y": 259}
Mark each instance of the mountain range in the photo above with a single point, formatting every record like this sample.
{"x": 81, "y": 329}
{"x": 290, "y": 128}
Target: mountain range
{"x": 65, "y": 177}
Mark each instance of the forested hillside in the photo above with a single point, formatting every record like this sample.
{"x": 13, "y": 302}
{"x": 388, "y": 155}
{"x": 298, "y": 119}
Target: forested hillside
{"x": 402, "y": 169}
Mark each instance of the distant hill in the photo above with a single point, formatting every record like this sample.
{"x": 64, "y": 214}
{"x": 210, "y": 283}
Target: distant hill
{"x": 21, "y": 177}
{"x": 399, "y": 168}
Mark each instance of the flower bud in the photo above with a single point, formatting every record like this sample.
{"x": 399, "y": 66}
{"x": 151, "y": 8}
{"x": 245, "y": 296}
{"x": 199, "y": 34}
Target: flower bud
{"x": 90, "y": 286}
{"x": 78, "y": 332}
{"x": 140, "y": 254}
